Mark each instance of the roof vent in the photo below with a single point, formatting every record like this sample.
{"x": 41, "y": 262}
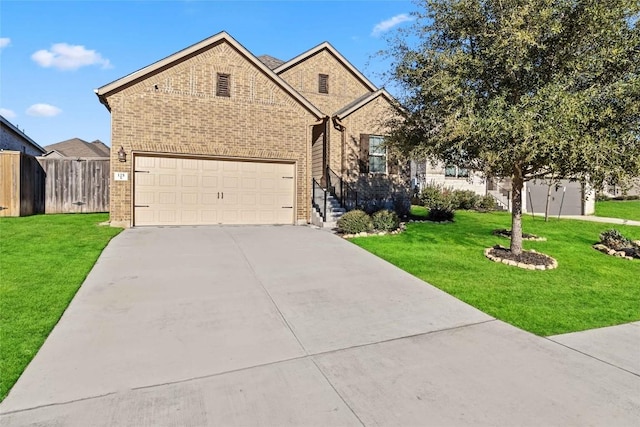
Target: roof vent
{"x": 323, "y": 83}
{"x": 223, "y": 85}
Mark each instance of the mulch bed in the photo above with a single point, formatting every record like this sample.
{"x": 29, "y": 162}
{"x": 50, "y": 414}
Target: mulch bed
{"x": 530, "y": 260}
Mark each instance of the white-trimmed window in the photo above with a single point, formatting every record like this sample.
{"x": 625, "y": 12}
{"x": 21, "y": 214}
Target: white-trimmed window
{"x": 451, "y": 171}
{"x": 377, "y": 154}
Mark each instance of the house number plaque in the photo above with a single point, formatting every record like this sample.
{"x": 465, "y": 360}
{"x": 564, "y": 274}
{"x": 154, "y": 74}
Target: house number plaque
{"x": 121, "y": 176}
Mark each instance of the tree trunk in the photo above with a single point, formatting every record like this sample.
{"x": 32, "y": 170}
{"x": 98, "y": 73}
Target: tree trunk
{"x": 546, "y": 208}
{"x": 517, "y": 183}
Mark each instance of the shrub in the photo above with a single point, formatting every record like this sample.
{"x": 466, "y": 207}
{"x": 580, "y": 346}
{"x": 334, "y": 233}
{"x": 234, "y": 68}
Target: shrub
{"x": 355, "y": 221}
{"x": 441, "y": 213}
{"x": 486, "y": 203}
{"x": 401, "y": 204}
{"x": 465, "y": 199}
{"x": 433, "y": 195}
{"x": 385, "y": 220}
{"x": 614, "y": 239}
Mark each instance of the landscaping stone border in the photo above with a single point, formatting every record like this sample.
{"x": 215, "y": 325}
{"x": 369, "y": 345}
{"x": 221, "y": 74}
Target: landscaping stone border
{"x": 401, "y": 228}
{"x": 554, "y": 264}
{"x": 600, "y": 247}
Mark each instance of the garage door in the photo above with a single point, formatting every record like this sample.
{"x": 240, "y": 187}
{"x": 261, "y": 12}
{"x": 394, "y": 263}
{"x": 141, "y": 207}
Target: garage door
{"x": 181, "y": 191}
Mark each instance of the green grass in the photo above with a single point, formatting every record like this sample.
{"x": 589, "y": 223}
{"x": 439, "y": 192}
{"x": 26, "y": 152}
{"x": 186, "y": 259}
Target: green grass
{"x": 43, "y": 259}
{"x": 587, "y": 290}
{"x": 419, "y": 211}
{"x": 626, "y": 209}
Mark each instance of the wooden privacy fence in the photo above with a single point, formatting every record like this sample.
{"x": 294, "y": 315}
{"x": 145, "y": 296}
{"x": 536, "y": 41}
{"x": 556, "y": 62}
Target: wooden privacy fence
{"x": 73, "y": 185}
{"x": 21, "y": 184}
{"x": 33, "y": 185}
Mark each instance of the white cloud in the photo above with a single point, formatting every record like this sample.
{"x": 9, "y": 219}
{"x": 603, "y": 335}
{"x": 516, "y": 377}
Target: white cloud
{"x": 43, "y": 110}
{"x": 64, "y": 56}
{"x": 9, "y": 114}
{"x": 384, "y": 26}
{"x": 4, "y": 42}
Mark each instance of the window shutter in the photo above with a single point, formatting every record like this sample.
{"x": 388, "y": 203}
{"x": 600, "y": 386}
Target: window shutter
{"x": 392, "y": 163}
{"x": 223, "y": 85}
{"x": 364, "y": 153}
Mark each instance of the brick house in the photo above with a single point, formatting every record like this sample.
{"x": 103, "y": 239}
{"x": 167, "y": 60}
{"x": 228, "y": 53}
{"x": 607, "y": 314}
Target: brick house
{"x": 215, "y": 135}
{"x": 13, "y": 139}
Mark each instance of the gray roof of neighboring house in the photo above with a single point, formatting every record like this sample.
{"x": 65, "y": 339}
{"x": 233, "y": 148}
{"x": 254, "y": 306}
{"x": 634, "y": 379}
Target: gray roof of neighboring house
{"x": 270, "y": 61}
{"x": 20, "y": 134}
{"x": 77, "y": 147}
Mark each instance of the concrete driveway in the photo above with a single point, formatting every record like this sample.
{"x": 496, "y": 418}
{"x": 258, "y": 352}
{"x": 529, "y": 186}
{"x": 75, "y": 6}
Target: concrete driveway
{"x": 292, "y": 326}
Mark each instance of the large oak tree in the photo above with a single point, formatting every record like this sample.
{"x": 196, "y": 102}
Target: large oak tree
{"x": 522, "y": 89}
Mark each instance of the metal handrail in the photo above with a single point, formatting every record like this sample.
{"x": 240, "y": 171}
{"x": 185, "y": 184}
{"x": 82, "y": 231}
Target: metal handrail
{"x": 341, "y": 190}
{"x": 319, "y": 199}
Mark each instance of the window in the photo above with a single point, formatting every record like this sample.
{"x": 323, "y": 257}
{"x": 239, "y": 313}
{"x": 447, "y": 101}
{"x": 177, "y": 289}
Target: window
{"x": 377, "y": 155}
{"x": 323, "y": 83}
{"x": 223, "y": 86}
{"x": 451, "y": 171}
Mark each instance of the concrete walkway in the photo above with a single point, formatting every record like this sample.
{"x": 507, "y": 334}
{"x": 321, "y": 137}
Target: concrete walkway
{"x": 291, "y": 326}
{"x": 616, "y": 345}
{"x": 602, "y": 219}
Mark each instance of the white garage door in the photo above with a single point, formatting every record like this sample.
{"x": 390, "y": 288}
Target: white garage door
{"x": 180, "y": 191}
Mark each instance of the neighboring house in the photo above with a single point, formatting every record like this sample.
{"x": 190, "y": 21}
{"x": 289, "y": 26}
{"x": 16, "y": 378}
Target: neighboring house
{"x": 213, "y": 134}
{"x": 13, "y": 139}
{"x": 77, "y": 148}
{"x": 565, "y": 197}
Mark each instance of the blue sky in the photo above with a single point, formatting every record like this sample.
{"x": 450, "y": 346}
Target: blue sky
{"x": 53, "y": 54}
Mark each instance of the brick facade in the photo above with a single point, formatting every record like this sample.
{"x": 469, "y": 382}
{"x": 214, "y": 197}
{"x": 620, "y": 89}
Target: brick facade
{"x": 176, "y": 111}
{"x": 173, "y": 109}
{"x": 13, "y": 139}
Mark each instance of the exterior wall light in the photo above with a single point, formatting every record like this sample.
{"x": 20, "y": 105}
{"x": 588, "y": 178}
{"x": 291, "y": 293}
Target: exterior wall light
{"x": 122, "y": 156}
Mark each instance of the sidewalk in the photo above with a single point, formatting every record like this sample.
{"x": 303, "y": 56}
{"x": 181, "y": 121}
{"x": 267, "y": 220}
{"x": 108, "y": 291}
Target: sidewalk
{"x": 601, "y": 219}
{"x": 618, "y": 346}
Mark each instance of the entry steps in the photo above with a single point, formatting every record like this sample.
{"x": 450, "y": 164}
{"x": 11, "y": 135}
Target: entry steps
{"x": 334, "y": 212}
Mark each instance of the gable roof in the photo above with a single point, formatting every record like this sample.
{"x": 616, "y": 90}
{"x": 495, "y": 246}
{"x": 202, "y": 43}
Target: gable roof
{"x": 361, "y": 102}
{"x": 270, "y": 61}
{"x": 327, "y": 46}
{"x": 137, "y": 76}
{"x": 77, "y": 147}
{"x": 23, "y": 136}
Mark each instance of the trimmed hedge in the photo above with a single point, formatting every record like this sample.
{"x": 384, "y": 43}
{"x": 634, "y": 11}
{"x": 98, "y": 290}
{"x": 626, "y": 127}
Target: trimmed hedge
{"x": 385, "y": 220}
{"x": 355, "y": 221}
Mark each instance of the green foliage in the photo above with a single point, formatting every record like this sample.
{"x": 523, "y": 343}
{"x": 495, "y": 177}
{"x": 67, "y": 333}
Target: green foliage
{"x": 614, "y": 239}
{"x": 44, "y": 259}
{"x": 522, "y": 89}
{"x": 486, "y": 203}
{"x": 436, "y": 195}
{"x": 355, "y": 221}
{"x": 587, "y": 290}
{"x": 465, "y": 199}
{"x": 440, "y": 213}
{"x": 385, "y": 220}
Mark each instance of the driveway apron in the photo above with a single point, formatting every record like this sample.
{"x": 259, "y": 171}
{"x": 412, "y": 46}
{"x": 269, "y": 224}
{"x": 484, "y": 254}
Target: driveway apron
{"x": 294, "y": 326}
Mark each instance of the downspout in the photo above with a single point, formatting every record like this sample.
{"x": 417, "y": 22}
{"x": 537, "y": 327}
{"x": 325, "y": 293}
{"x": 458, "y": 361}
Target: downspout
{"x": 309, "y": 167}
{"x": 337, "y": 125}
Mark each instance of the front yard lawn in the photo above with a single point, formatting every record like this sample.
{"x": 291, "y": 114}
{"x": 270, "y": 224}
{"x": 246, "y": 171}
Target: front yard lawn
{"x": 587, "y": 290}
{"x": 626, "y": 209}
{"x": 43, "y": 261}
